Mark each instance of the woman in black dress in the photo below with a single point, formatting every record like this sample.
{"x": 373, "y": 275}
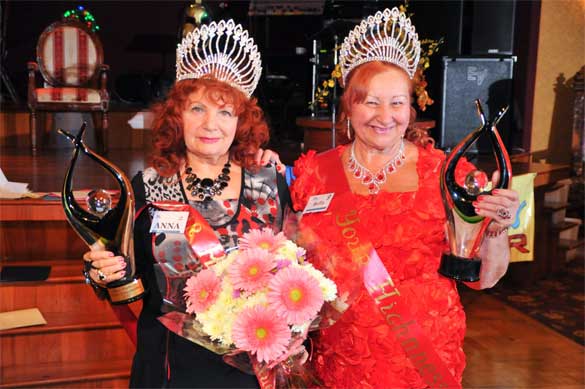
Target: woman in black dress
{"x": 206, "y": 136}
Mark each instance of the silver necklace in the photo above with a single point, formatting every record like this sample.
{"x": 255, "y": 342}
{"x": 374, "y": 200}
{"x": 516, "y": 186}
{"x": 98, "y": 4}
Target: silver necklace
{"x": 373, "y": 181}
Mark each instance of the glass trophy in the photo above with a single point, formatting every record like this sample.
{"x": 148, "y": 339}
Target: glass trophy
{"x": 465, "y": 229}
{"x": 103, "y": 226}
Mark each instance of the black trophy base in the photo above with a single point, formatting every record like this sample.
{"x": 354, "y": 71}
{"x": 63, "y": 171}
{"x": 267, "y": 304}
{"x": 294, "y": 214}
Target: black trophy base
{"x": 460, "y": 269}
{"x": 126, "y": 293}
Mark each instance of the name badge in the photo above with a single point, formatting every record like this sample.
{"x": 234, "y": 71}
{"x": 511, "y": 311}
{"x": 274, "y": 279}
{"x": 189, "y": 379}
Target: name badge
{"x": 318, "y": 203}
{"x": 169, "y": 221}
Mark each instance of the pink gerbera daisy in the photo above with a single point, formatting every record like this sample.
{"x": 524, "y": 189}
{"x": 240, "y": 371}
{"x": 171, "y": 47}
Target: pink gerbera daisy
{"x": 251, "y": 270}
{"x": 261, "y": 332}
{"x": 262, "y": 239}
{"x": 295, "y": 295}
{"x": 202, "y": 290}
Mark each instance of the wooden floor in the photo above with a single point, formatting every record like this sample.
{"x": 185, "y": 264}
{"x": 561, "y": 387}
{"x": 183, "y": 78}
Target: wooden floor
{"x": 507, "y": 349}
{"x": 504, "y": 348}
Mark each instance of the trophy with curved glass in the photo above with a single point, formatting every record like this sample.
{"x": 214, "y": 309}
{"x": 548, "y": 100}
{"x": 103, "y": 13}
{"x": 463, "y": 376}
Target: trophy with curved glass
{"x": 103, "y": 226}
{"x": 465, "y": 228}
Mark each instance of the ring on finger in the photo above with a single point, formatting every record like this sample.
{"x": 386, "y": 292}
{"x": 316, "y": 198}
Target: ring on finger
{"x": 504, "y": 213}
{"x": 101, "y": 275}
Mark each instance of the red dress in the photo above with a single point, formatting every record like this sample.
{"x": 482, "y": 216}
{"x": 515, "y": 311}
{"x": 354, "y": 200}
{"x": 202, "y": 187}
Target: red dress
{"x": 408, "y": 231}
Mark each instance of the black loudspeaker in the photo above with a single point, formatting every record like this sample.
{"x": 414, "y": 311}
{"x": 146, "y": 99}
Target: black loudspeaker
{"x": 466, "y": 79}
{"x": 493, "y": 26}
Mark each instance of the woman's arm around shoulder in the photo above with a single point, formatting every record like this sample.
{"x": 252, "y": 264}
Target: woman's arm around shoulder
{"x": 306, "y": 182}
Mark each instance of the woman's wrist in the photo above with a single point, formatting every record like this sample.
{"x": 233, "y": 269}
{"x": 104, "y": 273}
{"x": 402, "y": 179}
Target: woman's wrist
{"x": 99, "y": 290}
{"x": 495, "y": 232}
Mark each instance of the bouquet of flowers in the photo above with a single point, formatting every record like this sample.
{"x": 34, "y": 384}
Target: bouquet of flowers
{"x": 260, "y": 300}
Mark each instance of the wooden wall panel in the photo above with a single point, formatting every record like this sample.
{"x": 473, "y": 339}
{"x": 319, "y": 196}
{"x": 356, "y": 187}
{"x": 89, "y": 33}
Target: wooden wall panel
{"x": 66, "y": 298}
{"x": 103, "y": 384}
{"x": 64, "y": 347}
{"x": 14, "y": 130}
{"x": 48, "y": 240}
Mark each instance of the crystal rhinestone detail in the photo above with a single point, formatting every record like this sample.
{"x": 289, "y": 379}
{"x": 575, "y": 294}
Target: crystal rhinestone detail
{"x": 387, "y": 36}
{"x": 373, "y": 181}
{"x": 223, "y": 50}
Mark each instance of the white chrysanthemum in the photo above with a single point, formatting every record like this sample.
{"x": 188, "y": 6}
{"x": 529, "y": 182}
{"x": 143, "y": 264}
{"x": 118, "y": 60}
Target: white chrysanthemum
{"x": 288, "y": 250}
{"x": 329, "y": 289}
{"x": 300, "y": 327}
{"x": 218, "y": 320}
{"x": 225, "y": 320}
{"x": 340, "y": 304}
{"x": 258, "y": 298}
{"x": 217, "y": 313}
{"x": 327, "y": 286}
{"x": 226, "y": 296}
{"x": 212, "y": 326}
{"x": 220, "y": 267}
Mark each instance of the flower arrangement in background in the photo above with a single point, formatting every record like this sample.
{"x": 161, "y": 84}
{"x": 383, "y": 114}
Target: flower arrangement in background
{"x": 429, "y": 47}
{"x": 261, "y": 299}
{"x": 82, "y": 15}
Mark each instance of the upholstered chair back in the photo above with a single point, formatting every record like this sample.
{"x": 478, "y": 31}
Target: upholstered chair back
{"x": 69, "y": 54}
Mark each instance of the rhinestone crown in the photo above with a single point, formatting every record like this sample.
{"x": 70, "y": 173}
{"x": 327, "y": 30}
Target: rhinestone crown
{"x": 223, "y": 50}
{"x": 387, "y": 36}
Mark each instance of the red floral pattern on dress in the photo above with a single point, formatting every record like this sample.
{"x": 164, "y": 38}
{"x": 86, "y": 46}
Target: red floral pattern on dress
{"x": 408, "y": 232}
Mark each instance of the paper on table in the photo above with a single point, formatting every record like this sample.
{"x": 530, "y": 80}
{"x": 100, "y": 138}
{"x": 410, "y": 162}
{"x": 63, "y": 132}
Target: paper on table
{"x": 21, "y": 318}
{"x": 142, "y": 120}
{"x": 12, "y": 190}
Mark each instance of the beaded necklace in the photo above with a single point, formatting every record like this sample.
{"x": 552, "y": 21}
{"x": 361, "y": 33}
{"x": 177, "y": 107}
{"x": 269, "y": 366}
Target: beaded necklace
{"x": 206, "y": 188}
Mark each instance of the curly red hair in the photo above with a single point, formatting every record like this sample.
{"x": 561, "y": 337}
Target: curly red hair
{"x": 167, "y": 129}
{"x": 356, "y": 89}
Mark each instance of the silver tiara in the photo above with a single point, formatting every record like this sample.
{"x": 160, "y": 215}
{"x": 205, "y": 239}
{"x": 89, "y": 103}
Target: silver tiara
{"x": 223, "y": 50}
{"x": 388, "y": 36}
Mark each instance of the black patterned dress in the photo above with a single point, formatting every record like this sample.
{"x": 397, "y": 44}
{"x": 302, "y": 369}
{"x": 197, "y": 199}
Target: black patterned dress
{"x": 162, "y": 358}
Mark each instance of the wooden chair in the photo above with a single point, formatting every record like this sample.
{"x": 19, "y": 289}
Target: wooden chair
{"x": 70, "y": 60}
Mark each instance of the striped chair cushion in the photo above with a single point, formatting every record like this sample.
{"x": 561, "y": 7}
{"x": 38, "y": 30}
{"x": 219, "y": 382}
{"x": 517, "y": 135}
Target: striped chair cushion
{"x": 69, "y": 56}
{"x": 68, "y": 95}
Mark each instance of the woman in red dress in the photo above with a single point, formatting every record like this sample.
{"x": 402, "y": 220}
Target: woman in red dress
{"x": 391, "y": 173}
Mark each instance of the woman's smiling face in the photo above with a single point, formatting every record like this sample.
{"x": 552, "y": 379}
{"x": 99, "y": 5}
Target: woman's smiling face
{"x": 208, "y": 128}
{"x": 382, "y": 118}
